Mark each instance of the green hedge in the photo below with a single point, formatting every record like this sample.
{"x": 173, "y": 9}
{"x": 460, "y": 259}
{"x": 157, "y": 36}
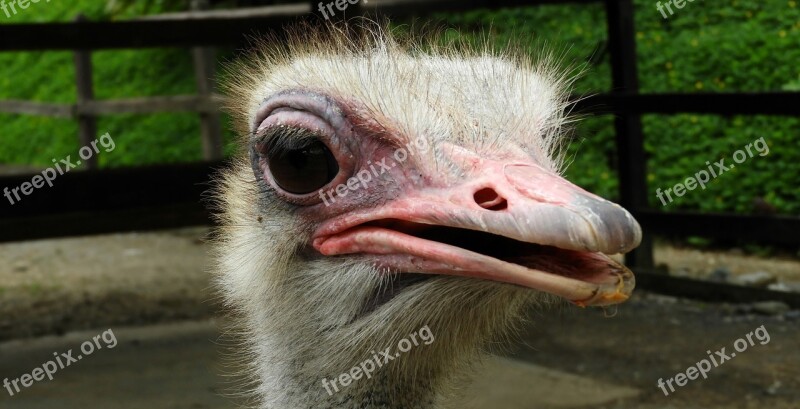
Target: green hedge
{"x": 718, "y": 47}
{"x": 747, "y": 46}
{"x": 50, "y": 77}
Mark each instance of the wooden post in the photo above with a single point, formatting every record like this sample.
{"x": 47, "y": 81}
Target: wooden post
{"x": 87, "y": 124}
{"x": 204, "y": 69}
{"x": 629, "y": 138}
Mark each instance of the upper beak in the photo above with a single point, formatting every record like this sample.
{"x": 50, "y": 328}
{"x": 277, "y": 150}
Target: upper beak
{"x": 563, "y": 232}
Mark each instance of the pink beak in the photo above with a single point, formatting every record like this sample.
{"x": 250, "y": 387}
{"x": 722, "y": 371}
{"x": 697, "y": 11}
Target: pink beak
{"x": 544, "y": 233}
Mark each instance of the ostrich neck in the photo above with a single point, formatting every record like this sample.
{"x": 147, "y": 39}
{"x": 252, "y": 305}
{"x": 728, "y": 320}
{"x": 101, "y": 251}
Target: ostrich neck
{"x": 298, "y": 341}
{"x": 292, "y": 380}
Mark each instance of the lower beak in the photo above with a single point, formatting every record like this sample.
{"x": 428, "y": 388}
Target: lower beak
{"x": 515, "y": 223}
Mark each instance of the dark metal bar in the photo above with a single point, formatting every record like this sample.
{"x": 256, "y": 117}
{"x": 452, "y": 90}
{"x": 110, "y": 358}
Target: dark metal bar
{"x": 710, "y": 291}
{"x": 160, "y": 217}
{"x": 402, "y": 8}
{"x": 109, "y": 189}
{"x": 97, "y": 202}
{"x": 211, "y": 29}
{"x": 632, "y": 169}
{"x": 762, "y": 229}
{"x": 767, "y": 103}
{"x": 138, "y": 34}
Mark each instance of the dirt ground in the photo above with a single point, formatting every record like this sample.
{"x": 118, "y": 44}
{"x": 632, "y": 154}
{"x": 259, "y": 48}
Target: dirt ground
{"x": 53, "y": 286}
{"x": 572, "y": 359}
{"x": 583, "y": 357}
{"x": 699, "y": 263}
{"x": 654, "y": 337}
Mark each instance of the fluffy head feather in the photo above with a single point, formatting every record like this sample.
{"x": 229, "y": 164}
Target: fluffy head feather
{"x": 308, "y": 317}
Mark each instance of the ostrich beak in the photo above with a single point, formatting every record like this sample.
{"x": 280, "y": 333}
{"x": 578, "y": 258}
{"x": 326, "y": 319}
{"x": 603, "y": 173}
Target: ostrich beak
{"x": 512, "y": 222}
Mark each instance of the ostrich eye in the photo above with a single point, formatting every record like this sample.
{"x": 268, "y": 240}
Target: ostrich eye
{"x": 302, "y": 170}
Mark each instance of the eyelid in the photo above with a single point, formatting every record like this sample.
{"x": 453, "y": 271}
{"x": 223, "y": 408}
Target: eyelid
{"x": 296, "y": 100}
{"x": 291, "y": 117}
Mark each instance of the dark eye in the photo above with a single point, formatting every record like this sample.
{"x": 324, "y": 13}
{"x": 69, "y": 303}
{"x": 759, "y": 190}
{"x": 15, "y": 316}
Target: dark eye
{"x": 303, "y": 170}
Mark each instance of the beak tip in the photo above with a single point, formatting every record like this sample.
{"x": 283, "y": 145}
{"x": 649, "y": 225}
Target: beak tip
{"x": 620, "y": 232}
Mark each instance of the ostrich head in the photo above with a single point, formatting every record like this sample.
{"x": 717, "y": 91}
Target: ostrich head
{"x": 387, "y": 187}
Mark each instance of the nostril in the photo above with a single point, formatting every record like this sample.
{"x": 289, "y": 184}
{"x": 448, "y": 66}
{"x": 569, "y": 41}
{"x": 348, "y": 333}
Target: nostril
{"x": 488, "y": 199}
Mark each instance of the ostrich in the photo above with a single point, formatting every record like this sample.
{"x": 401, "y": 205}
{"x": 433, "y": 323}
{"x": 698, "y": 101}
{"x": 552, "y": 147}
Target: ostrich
{"x": 388, "y": 185}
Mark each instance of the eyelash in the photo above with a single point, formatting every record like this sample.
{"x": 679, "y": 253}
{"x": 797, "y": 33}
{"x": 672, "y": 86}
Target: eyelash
{"x": 279, "y": 140}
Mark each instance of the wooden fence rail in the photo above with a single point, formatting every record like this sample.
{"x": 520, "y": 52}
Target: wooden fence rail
{"x": 147, "y": 105}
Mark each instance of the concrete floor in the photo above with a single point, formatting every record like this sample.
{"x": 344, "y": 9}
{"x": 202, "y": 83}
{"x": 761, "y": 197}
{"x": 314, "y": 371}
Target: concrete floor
{"x": 166, "y": 366}
{"x": 587, "y": 358}
{"x": 177, "y": 366}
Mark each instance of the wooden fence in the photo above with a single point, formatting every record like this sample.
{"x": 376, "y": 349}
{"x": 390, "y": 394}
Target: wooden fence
{"x": 168, "y": 196}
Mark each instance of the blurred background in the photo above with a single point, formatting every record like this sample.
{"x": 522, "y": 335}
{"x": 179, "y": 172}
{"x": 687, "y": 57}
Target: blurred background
{"x": 121, "y": 241}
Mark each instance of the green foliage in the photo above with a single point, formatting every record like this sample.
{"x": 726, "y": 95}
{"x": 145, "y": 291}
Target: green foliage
{"x": 50, "y": 77}
{"x": 740, "y": 45}
{"x": 745, "y": 46}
